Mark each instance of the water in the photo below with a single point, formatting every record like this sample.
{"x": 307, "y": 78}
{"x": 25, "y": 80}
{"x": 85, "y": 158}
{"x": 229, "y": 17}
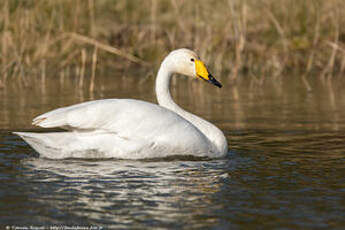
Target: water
{"x": 285, "y": 168}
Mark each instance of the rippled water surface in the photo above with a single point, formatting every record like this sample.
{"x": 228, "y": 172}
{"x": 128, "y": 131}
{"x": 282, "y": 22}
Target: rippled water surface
{"x": 285, "y": 168}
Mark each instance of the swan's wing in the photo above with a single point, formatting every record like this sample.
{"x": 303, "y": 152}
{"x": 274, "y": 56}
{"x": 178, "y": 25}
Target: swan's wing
{"x": 92, "y": 115}
{"x": 108, "y": 115}
{"x": 131, "y": 119}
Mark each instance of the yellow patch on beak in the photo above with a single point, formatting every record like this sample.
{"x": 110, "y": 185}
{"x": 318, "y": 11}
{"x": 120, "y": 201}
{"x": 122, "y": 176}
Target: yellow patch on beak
{"x": 201, "y": 70}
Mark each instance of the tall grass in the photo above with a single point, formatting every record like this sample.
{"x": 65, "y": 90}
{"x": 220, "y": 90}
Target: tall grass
{"x": 40, "y": 38}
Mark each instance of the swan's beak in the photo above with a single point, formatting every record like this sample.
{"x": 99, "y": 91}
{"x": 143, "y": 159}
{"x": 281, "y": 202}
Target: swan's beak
{"x": 201, "y": 72}
{"x": 214, "y": 81}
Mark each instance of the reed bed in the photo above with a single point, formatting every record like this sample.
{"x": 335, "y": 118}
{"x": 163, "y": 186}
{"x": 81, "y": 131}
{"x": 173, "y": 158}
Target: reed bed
{"x": 77, "y": 38}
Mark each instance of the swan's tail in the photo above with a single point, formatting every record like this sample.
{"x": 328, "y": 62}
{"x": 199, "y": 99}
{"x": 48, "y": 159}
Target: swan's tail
{"x": 59, "y": 145}
{"x": 46, "y": 144}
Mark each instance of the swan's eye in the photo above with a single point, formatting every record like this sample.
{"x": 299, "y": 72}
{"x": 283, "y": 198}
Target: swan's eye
{"x": 192, "y": 59}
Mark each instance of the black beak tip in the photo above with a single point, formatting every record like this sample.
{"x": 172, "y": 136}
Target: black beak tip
{"x": 219, "y": 85}
{"x": 213, "y": 81}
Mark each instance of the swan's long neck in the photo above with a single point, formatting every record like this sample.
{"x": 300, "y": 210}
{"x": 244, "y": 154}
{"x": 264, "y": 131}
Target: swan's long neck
{"x": 164, "y": 98}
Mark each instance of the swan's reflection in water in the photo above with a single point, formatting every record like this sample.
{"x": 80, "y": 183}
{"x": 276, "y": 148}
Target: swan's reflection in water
{"x": 122, "y": 193}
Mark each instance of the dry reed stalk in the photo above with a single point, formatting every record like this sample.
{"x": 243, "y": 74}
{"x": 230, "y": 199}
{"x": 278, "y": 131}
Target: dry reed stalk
{"x": 67, "y": 71}
{"x": 67, "y": 43}
{"x": 306, "y": 83}
{"x": 329, "y": 69}
{"x": 91, "y": 8}
{"x": 94, "y": 65}
{"x": 240, "y": 26}
{"x": 342, "y": 66}
{"x": 4, "y": 40}
{"x": 43, "y": 76}
{"x": 76, "y": 16}
{"x": 332, "y": 101}
{"x": 342, "y": 50}
{"x": 335, "y": 50}
{"x": 304, "y": 76}
{"x": 21, "y": 67}
{"x": 153, "y": 20}
{"x": 82, "y": 71}
{"x": 62, "y": 77}
{"x": 7, "y": 66}
{"x": 281, "y": 33}
{"x": 65, "y": 62}
{"x": 171, "y": 35}
{"x": 335, "y": 46}
{"x": 49, "y": 42}
{"x": 181, "y": 23}
{"x": 108, "y": 48}
{"x": 43, "y": 49}
{"x": 77, "y": 73}
{"x": 311, "y": 57}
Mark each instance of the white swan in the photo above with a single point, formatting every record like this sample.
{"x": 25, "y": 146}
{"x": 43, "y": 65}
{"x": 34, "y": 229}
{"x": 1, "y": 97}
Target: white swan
{"x": 132, "y": 129}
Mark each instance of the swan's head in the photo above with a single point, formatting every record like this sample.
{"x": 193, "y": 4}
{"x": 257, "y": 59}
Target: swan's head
{"x": 186, "y": 62}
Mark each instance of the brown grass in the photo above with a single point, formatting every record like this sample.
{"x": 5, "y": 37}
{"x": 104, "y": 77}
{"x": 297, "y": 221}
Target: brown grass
{"x": 75, "y": 38}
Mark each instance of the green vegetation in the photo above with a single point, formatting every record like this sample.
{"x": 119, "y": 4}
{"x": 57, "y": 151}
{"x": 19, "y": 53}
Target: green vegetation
{"x": 234, "y": 37}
